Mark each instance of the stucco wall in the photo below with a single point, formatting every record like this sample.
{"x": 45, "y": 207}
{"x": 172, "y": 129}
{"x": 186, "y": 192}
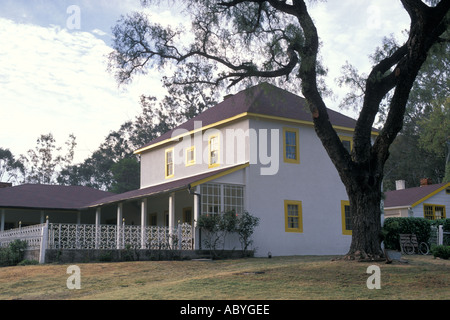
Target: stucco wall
{"x": 314, "y": 182}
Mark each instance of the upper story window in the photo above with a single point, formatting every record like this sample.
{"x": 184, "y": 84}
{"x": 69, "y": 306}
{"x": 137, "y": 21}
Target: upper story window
{"x": 291, "y": 145}
{"x": 347, "y": 142}
{"x": 213, "y": 147}
{"x": 169, "y": 165}
{"x": 190, "y": 156}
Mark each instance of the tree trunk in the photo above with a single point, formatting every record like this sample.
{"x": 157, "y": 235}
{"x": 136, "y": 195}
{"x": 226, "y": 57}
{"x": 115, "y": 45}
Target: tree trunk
{"x": 366, "y": 222}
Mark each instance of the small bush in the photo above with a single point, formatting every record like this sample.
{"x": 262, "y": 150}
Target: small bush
{"x": 13, "y": 254}
{"x": 441, "y": 251}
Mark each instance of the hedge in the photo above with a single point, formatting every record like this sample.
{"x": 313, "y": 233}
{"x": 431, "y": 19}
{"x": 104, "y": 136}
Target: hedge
{"x": 393, "y": 227}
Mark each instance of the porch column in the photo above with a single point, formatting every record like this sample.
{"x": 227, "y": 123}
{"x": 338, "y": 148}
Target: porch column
{"x": 98, "y": 213}
{"x": 41, "y": 221}
{"x": 2, "y": 220}
{"x": 197, "y": 204}
{"x": 78, "y": 217}
{"x": 171, "y": 216}
{"x": 143, "y": 222}
{"x": 119, "y": 223}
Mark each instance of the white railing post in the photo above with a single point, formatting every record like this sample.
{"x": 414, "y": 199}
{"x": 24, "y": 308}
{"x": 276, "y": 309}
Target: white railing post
{"x": 180, "y": 237}
{"x": 44, "y": 241}
{"x": 441, "y": 235}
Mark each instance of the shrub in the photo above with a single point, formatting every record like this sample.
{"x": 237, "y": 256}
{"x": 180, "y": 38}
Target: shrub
{"x": 441, "y": 251}
{"x": 393, "y": 227}
{"x": 245, "y": 227}
{"x": 218, "y": 226}
{"x": 13, "y": 254}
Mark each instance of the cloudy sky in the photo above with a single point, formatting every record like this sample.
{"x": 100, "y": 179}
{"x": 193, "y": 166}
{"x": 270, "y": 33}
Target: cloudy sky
{"x": 53, "y": 74}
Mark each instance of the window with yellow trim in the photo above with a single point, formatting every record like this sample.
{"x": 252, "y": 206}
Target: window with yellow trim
{"x": 213, "y": 147}
{"x": 347, "y": 142}
{"x": 293, "y": 216}
{"x": 291, "y": 149}
{"x": 169, "y": 166}
{"x": 346, "y": 218}
{"x": 433, "y": 211}
{"x": 190, "y": 156}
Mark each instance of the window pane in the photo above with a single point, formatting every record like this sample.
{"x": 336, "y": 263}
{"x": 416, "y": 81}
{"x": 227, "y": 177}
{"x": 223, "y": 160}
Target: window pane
{"x": 291, "y": 145}
{"x": 348, "y": 218}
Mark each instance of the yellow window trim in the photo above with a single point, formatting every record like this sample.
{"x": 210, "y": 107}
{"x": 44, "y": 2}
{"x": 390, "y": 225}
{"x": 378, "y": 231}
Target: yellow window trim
{"x": 213, "y": 165}
{"x": 349, "y": 139}
{"x": 434, "y": 206}
{"x": 297, "y": 146}
{"x": 345, "y": 231}
{"x": 192, "y": 161}
{"x": 299, "y": 229}
{"x": 166, "y": 173}
{"x": 430, "y": 195}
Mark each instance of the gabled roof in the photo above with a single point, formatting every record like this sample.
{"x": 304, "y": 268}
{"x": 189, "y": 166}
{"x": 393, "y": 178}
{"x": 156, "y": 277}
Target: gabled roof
{"x": 41, "y": 196}
{"x": 411, "y": 197}
{"x": 171, "y": 186}
{"x": 261, "y": 100}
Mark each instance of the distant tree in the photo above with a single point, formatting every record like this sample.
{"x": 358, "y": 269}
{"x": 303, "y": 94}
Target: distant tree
{"x": 43, "y": 163}
{"x": 126, "y": 175}
{"x": 240, "y": 41}
{"x": 11, "y": 169}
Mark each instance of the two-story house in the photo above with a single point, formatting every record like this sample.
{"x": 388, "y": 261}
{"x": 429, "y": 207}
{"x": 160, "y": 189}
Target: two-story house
{"x": 256, "y": 151}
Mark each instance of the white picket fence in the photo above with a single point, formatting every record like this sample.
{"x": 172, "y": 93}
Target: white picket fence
{"x": 91, "y": 236}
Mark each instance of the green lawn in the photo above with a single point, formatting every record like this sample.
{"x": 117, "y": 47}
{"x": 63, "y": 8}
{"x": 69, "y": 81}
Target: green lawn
{"x": 279, "y": 278}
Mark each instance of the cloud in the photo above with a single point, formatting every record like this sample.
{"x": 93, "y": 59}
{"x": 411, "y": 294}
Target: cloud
{"x": 55, "y": 80}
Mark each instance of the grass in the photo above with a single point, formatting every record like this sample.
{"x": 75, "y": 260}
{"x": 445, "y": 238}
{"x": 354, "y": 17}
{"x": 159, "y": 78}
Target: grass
{"x": 279, "y": 278}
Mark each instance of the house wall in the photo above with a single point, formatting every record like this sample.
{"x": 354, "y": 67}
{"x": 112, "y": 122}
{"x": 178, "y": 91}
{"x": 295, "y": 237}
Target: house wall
{"x": 315, "y": 182}
{"x": 441, "y": 198}
{"x": 269, "y": 181}
{"x": 231, "y": 134}
{"x": 396, "y": 212}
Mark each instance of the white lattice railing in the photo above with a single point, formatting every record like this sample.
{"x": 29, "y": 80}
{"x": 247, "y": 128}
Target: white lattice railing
{"x": 31, "y": 234}
{"x": 91, "y": 236}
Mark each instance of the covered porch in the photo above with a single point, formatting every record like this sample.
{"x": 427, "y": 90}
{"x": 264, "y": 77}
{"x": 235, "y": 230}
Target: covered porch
{"x": 160, "y": 217}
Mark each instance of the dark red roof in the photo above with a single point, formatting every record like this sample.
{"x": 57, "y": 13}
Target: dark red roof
{"x": 410, "y": 196}
{"x": 41, "y": 196}
{"x": 170, "y": 186}
{"x": 263, "y": 99}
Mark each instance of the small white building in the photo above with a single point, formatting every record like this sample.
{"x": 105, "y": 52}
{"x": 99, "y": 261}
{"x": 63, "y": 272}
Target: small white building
{"x": 430, "y": 201}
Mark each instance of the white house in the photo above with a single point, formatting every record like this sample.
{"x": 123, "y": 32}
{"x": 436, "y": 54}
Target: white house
{"x": 430, "y": 201}
{"x": 256, "y": 151}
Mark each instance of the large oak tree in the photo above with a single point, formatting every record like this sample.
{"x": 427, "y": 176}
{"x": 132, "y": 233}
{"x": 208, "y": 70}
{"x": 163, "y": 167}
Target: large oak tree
{"x": 237, "y": 40}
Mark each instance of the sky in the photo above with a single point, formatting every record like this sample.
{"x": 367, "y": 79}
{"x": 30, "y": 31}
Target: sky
{"x": 53, "y": 76}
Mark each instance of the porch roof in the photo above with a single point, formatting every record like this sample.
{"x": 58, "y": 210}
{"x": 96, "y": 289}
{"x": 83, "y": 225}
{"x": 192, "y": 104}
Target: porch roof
{"x": 166, "y": 187}
{"x": 42, "y": 196}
